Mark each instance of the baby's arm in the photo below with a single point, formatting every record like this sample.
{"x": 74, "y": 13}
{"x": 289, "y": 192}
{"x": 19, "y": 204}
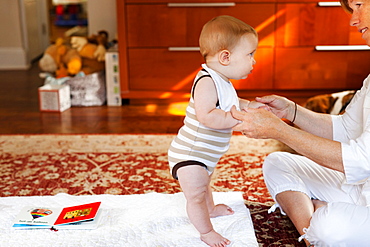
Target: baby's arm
{"x": 205, "y": 100}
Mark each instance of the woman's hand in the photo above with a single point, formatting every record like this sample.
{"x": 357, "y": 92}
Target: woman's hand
{"x": 280, "y": 106}
{"x": 257, "y": 123}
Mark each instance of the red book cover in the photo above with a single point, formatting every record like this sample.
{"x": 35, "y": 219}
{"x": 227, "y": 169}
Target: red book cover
{"x": 78, "y": 213}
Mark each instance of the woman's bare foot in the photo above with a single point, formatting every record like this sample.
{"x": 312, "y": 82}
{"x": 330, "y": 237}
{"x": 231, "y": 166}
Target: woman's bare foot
{"x": 220, "y": 210}
{"x": 318, "y": 204}
{"x": 214, "y": 239}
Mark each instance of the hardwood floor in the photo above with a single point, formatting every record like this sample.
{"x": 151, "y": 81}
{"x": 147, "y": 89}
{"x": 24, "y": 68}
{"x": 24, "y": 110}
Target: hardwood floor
{"x": 19, "y": 112}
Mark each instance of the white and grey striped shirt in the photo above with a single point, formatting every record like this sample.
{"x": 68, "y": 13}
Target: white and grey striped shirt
{"x": 197, "y": 142}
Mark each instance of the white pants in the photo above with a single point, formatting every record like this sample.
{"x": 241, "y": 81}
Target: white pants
{"x": 345, "y": 221}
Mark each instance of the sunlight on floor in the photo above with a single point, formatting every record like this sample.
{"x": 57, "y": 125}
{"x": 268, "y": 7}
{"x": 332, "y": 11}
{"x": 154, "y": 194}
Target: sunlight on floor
{"x": 178, "y": 108}
{"x": 151, "y": 108}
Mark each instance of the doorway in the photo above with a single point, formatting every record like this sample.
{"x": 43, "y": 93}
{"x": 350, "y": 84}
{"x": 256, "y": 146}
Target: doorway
{"x": 43, "y": 21}
{"x": 67, "y": 17}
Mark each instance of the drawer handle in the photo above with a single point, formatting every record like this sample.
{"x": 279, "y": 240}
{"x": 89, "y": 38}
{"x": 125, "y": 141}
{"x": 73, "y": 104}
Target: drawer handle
{"x": 183, "y": 48}
{"x": 329, "y": 4}
{"x": 342, "y": 47}
{"x": 201, "y": 4}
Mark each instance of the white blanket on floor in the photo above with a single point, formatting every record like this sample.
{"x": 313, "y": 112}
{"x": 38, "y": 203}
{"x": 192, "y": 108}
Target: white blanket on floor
{"x": 145, "y": 220}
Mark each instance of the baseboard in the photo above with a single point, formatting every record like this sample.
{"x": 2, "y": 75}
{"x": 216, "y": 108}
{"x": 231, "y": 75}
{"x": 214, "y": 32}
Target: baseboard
{"x": 13, "y": 58}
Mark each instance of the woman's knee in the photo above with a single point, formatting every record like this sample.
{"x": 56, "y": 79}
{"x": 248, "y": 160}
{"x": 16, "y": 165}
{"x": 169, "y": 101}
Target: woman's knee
{"x": 276, "y": 164}
{"x": 339, "y": 223}
{"x": 271, "y": 161}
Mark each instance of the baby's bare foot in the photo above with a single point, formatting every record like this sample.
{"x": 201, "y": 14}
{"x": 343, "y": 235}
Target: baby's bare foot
{"x": 214, "y": 239}
{"x": 221, "y": 210}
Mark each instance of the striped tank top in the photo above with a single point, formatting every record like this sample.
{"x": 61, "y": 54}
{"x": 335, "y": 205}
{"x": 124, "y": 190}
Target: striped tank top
{"x": 197, "y": 142}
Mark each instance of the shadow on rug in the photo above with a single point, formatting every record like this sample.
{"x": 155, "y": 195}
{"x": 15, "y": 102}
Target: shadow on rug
{"x": 136, "y": 164}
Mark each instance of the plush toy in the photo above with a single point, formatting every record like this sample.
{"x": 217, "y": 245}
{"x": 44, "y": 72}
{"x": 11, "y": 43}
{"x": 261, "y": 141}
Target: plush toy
{"x": 83, "y": 54}
{"x": 101, "y": 40}
{"x": 92, "y": 50}
{"x": 61, "y": 60}
{"x": 93, "y": 47}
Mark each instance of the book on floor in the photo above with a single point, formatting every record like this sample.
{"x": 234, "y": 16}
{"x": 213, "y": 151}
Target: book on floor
{"x": 84, "y": 216}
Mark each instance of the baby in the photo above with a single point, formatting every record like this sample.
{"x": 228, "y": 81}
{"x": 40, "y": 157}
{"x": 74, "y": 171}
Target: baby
{"x": 228, "y": 46}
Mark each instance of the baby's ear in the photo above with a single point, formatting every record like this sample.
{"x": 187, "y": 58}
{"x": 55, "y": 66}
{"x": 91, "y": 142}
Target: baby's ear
{"x": 224, "y": 57}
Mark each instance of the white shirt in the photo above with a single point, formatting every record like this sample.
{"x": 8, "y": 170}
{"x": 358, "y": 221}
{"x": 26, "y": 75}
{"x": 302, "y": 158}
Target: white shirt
{"x": 352, "y": 129}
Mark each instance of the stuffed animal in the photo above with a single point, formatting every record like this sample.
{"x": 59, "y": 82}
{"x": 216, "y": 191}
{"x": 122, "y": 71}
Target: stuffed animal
{"x": 92, "y": 50}
{"x": 101, "y": 40}
{"x": 61, "y": 60}
{"x": 83, "y": 54}
{"x": 93, "y": 47}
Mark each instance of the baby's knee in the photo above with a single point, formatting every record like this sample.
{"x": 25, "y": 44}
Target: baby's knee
{"x": 197, "y": 195}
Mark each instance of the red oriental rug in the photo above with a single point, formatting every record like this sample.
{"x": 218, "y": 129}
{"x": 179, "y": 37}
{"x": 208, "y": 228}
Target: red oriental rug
{"x": 35, "y": 165}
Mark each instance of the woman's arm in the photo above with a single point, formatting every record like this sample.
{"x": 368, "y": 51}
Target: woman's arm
{"x": 312, "y": 122}
{"x": 323, "y": 151}
{"x": 259, "y": 123}
{"x": 315, "y": 123}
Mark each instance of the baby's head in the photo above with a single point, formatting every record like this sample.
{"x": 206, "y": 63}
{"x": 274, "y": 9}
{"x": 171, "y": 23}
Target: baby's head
{"x": 222, "y": 33}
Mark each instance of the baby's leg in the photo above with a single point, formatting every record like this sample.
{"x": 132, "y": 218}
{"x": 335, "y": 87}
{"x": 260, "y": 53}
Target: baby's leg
{"x": 219, "y": 209}
{"x": 194, "y": 181}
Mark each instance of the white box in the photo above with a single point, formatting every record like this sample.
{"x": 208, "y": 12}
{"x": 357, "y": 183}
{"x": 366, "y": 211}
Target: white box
{"x": 112, "y": 78}
{"x": 54, "y": 98}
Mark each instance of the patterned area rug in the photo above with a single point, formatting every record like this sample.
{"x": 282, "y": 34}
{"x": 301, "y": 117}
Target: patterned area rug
{"x": 34, "y": 165}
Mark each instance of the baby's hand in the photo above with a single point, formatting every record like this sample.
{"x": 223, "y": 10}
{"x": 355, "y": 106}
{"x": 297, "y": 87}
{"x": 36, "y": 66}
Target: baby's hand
{"x": 255, "y": 104}
{"x": 266, "y": 107}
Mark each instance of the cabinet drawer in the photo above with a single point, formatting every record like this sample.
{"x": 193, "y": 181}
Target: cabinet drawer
{"x": 309, "y": 25}
{"x": 200, "y": 1}
{"x": 305, "y": 68}
{"x": 304, "y": 1}
{"x": 176, "y": 70}
{"x": 165, "y": 70}
{"x": 157, "y": 25}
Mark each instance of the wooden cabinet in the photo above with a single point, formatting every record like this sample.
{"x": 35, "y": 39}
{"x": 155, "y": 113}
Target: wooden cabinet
{"x": 307, "y": 24}
{"x": 175, "y": 70}
{"x": 211, "y": 2}
{"x": 298, "y": 65}
{"x": 163, "y": 25}
{"x": 309, "y": 69}
{"x": 159, "y": 55}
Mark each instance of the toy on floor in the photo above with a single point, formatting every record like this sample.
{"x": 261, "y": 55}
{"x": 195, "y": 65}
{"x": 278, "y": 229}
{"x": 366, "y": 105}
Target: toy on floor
{"x": 82, "y": 54}
{"x": 61, "y": 60}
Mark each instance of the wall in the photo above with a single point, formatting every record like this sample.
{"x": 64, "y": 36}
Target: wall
{"x": 102, "y": 16}
{"x": 12, "y": 51}
{"x": 14, "y": 40}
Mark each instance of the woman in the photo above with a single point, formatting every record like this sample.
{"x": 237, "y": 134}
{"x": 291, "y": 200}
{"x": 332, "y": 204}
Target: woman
{"x": 325, "y": 191}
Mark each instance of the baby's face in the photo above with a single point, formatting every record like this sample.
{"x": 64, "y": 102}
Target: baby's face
{"x": 242, "y": 57}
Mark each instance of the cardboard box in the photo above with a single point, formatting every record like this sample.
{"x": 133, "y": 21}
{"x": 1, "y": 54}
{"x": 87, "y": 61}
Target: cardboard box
{"x": 54, "y": 98}
{"x": 112, "y": 78}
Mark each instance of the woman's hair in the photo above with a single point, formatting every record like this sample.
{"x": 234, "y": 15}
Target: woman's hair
{"x": 345, "y": 6}
{"x": 222, "y": 32}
